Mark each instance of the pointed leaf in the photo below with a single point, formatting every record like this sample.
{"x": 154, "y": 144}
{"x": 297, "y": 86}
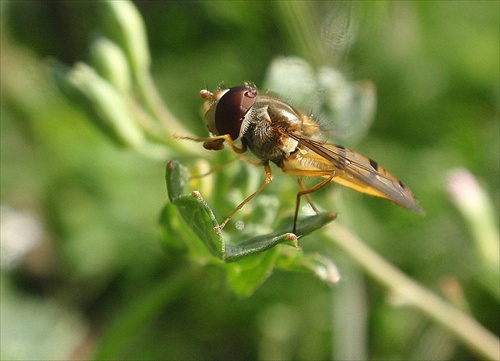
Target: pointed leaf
{"x": 257, "y": 245}
{"x": 201, "y": 219}
{"x": 104, "y": 104}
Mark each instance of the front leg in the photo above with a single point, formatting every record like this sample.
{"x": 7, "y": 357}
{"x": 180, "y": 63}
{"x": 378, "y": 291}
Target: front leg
{"x": 215, "y": 143}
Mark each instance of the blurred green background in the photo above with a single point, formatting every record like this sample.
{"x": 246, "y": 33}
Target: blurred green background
{"x": 82, "y": 266}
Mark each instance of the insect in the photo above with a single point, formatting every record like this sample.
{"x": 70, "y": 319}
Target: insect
{"x": 276, "y": 132}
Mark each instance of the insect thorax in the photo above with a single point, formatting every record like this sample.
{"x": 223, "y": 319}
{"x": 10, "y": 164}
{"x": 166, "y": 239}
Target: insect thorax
{"x": 264, "y": 129}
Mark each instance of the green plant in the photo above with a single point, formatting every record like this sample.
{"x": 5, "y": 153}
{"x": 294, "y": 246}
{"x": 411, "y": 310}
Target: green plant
{"x": 118, "y": 94}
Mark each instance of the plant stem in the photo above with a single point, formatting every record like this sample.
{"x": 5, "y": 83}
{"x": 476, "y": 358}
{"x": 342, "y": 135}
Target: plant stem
{"x": 458, "y": 323}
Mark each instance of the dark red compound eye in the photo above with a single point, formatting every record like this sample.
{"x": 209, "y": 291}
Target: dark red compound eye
{"x": 232, "y": 108}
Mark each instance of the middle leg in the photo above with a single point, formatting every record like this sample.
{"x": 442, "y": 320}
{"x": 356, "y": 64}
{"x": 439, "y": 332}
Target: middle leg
{"x": 306, "y": 193}
{"x": 327, "y": 174}
{"x": 269, "y": 179}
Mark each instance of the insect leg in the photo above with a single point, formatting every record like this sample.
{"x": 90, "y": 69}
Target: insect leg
{"x": 269, "y": 179}
{"x": 327, "y": 174}
{"x": 309, "y": 200}
{"x": 223, "y": 165}
{"x": 251, "y": 161}
{"x": 214, "y": 143}
{"x": 306, "y": 193}
{"x": 214, "y": 169}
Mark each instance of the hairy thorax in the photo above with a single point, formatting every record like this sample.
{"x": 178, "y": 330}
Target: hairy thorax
{"x": 265, "y": 126}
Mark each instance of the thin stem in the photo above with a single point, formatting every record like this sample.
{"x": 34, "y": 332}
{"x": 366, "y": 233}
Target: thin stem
{"x": 461, "y": 325}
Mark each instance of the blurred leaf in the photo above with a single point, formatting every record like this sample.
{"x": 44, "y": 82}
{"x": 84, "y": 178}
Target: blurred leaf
{"x": 349, "y": 107}
{"x": 124, "y": 24}
{"x": 341, "y": 106}
{"x": 295, "y": 79}
{"x": 110, "y": 61}
{"x": 106, "y": 107}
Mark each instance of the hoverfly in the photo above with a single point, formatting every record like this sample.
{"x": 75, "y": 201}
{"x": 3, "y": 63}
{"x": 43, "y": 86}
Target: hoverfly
{"x": 277, "y": 132}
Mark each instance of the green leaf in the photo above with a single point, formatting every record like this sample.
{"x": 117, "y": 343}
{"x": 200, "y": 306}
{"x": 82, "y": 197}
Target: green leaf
{"x": 175, "y": 234}
{"x": 262, "y": 243}
{"x": 309, "y": 224}
{"x": 257, "y": 245}
{"x": 193, "y": 209}
{"x": 245, "y": 276}
{"x": 256, "y": 257}
{"x": 200, "y": 218}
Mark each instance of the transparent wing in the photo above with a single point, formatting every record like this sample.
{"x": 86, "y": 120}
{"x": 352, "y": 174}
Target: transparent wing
{"x": 352, "y": 170}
